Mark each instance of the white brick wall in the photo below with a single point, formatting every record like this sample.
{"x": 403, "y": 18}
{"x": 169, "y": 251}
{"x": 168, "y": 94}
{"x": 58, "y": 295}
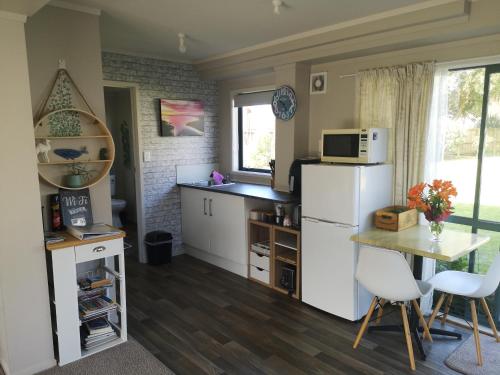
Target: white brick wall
{"x": 163, "y": 79}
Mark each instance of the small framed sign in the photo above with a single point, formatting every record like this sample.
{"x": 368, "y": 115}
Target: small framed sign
{"x": 318, "y": 83}
{"x": 76, "y": 208}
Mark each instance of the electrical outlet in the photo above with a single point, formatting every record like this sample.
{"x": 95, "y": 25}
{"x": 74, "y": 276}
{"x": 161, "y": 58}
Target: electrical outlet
{"x": 147, "y": 156}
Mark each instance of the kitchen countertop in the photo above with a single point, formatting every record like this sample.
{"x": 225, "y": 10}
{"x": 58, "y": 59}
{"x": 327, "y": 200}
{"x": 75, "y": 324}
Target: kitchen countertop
{"x": 416, "y": 240}
{"x": 248, "y": 191}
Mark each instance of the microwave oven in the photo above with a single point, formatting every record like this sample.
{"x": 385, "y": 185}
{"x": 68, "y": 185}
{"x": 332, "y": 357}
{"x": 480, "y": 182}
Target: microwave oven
{"x": 359, "y": 146}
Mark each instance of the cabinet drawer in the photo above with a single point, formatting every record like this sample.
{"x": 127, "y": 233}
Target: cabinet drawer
{"x": 98, "y": 250}
{"x": 259, "y": 260}
{"x": 259, "y": 274}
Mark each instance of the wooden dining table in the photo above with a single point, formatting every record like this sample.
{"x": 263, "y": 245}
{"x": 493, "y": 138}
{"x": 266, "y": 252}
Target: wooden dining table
{"x": 417, "y": 241}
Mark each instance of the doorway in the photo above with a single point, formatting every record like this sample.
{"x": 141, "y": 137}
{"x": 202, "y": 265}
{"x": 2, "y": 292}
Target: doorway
{"x": 125, "y": 175}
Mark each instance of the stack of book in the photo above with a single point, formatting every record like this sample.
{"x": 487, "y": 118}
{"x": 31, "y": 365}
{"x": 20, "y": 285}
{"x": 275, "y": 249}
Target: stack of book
{"x": 95, "y": 307}
{"x": 97, "y": 332}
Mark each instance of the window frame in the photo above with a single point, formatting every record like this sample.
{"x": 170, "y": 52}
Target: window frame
{"x": 241, "y": 168}
{"x": 474, "y": 222}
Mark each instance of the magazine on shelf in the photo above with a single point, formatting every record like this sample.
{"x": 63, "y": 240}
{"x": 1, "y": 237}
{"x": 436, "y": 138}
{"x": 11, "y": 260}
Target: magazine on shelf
{"x": 92, "y": 231}
{"x": 90, "y": 341}
{"x": 95, "y": 307}
{"x": 98, "y": 327}
{"x": 91, "y": 345}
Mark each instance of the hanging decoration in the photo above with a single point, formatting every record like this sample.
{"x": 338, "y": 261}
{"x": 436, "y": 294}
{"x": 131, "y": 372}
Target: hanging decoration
{"x": 74, "y": 147}
{"x": 63, "y": 124}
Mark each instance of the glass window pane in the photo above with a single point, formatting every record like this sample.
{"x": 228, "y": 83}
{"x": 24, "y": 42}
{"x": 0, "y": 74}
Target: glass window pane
{"x": 461, "y": 264}
{"x": 458, "y": 307}
{"x": 258, "y": 136}
{"x": 490, "y": 176}
{"x": 486, "y": 253}
{"x": 484, "y": 257}
{"x": 459, "y": 164}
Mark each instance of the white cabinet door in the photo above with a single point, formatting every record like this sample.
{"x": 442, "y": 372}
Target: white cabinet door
{"x": 227, "y": 227}
{"x": 195, "y": 219}
{"x": 328, "y": 268}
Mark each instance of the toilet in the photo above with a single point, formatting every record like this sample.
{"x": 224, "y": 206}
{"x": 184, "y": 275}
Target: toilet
{"x": 117, "y": 205}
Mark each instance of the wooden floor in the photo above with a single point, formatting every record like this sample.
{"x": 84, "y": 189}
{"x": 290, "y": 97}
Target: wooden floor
{"x": 199, "y": 319}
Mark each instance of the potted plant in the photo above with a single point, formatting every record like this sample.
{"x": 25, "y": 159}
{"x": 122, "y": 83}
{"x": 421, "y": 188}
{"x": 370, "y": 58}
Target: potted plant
{"x": 78, "y": 176}
{"x": 434, "y": 201}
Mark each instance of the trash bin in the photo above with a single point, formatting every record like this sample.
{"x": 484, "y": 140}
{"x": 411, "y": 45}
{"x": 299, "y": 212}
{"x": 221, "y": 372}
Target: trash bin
{"x": 158, "y": 247}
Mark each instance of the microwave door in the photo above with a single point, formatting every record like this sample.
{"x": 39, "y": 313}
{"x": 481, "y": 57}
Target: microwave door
{"x": 341, "y": 145}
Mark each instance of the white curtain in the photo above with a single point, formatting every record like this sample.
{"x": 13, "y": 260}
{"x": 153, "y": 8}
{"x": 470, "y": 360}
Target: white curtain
{"x": 434, "y": 154}
{"x": 399, "y": 98}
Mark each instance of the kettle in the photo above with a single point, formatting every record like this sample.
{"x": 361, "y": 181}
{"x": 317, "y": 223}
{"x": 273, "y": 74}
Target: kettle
{"x": 297, "y": 213}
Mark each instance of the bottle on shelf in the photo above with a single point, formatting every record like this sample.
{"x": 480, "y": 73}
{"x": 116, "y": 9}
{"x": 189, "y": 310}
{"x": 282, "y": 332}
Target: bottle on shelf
{"x": 55, "y": 211}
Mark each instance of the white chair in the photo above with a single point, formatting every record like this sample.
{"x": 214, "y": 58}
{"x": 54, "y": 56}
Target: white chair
{"x": 387, "y": 275}
{"x": 471, "y": 286}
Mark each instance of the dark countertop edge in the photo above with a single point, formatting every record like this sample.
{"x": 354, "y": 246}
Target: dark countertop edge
{"x": 288, "y": 199}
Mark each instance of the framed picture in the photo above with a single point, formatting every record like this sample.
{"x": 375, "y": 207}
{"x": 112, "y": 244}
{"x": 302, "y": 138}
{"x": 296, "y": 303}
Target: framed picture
{"x": 181, "y": 118}
{"x": 318, "y": 83}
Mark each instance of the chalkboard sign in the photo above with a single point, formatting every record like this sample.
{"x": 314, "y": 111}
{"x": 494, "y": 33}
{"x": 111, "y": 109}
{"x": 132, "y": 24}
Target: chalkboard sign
{"x": 76, "y": 208}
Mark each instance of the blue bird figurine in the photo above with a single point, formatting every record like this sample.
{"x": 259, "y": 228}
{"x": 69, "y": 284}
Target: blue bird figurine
{"x": 69, "y": 153}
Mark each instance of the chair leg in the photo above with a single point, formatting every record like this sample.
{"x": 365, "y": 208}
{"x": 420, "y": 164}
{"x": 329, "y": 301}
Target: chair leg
{"x": 380, "y": 310}
{"x": 436, "y": 310}
{"x": 407, "y": 334}
{"x": 365, "y": 322}
{"x": 490, "y": 319}
{"x": 427, "y": 333}
{"x": 447, "y": 309}
{"x": 476, "y": 332}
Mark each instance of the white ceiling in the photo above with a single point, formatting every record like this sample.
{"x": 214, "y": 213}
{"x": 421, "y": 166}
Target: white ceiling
{"x": 213, "y": 27}
{"x": 26, "y": 7}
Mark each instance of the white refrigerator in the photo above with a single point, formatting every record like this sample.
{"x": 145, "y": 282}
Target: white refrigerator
{"x": 337, "y": 202}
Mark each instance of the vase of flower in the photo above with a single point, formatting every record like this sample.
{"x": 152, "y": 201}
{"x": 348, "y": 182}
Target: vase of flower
{"x": 436, "y": 228}
{"x": 434, "y": 201}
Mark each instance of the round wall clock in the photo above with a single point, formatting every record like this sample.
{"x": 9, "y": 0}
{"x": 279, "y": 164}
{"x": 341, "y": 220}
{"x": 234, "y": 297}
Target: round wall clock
{"x": 284, "y": 103}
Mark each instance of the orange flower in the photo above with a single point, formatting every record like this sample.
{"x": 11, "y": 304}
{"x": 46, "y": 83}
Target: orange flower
{"x": 432, "y": 199}
{"x": 436, "y": 184}
{"x": 417, "y": 190}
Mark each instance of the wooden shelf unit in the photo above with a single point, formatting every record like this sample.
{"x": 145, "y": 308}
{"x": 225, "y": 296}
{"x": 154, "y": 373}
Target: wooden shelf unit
{"x": 284, "y": 244}
{"x": 73, "y": 137}
{"x": 73, "y": 162}
{"x": 94, "y": 136}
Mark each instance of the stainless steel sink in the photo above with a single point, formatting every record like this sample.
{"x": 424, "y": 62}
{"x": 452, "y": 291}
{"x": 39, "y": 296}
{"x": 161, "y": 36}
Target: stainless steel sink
{"x": 222, "y": 185}
{"x": 209, "y": 183}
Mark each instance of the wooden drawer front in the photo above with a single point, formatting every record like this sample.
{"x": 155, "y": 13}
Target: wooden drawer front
{"x": 98, "y": 250}
{"x": 259, "y": 260}
{"x": 259, "y": 274}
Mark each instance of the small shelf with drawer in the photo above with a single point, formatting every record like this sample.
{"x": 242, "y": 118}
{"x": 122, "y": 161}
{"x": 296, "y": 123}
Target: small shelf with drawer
{"x": 274, "y": 257}
{"x": 87, "y": 290}
{"x": 259, "y": 252}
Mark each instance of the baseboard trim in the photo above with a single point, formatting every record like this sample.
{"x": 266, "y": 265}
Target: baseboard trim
{"x": 228, "y": 265}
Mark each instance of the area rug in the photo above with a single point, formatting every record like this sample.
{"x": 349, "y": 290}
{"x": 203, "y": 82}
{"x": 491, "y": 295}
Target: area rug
{"x": 464, "y": 360}
{"x": 130, "y": 358}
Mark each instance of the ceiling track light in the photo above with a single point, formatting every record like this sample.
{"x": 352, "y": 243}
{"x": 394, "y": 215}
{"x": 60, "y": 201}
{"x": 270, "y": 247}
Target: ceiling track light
{"x": 182, "y": 43}
{"x": 277, "y": 6}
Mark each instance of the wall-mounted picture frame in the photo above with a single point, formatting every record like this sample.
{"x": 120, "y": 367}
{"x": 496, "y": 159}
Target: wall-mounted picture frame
{"x": 318, "y": 83}
{"x": 181, "y": 118}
